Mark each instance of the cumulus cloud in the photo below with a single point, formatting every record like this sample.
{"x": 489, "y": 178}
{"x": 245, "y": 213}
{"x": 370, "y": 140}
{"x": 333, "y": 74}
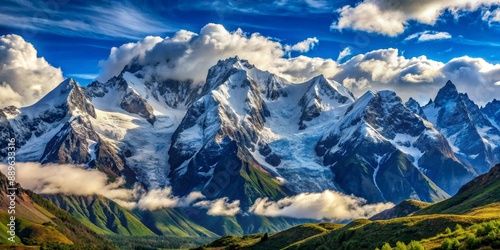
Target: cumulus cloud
{"x": 391, "y": 17}
{"x": 428, "y": 36}
{"x": 188, "y": 55}
{"x": 121, "y": 56}
{"x": 24, "y": 77}
{"x": 329, "y": 205}
{"x": 198, "y": 52}
{"x": 419, "y": 77}
{"x": 220, "y": 207}
{"x": 344, "y": 53}
{"x": 75, "y": 180}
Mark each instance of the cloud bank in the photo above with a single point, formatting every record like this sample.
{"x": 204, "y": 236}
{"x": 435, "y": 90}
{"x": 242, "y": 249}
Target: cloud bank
{"x": 189, "y": 55}
{"x": 391, "y": 17}
{"x": 419, "y": 77}
{"x": 330, "y": 205}
{"x": 24, "y": 77}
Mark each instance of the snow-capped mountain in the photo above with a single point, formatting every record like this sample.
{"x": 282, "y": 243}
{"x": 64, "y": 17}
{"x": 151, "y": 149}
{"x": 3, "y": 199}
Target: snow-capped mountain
{"x": 383, "y": 144}
{"x": 472, "y": 136}
{"x": 245, "y": 133}
{"x": 59, "y": 129}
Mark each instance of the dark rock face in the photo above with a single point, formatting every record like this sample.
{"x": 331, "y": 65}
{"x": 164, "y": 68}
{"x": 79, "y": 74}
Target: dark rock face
{"x": 71, "y": 144}
{"x": 320, "y": 91}
{"x": 135, "y": 104}
{"x": 177, "y": 92}
{"x": 78, "y": 101}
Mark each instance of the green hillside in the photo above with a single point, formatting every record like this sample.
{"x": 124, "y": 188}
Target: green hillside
{"x": 41, "y": 223}
{"x": 101, "y": 215}
{"x": 402, "y": 209}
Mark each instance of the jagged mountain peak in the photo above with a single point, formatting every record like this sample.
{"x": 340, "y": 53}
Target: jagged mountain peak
{"x": 474, "y": 138}
{"x": 320, "y": 96}
{"x": 321, "y": 80}
{"x": 68, "y": 96}
{"x": 447, "y": 92}
{"x": 415, "y": 107}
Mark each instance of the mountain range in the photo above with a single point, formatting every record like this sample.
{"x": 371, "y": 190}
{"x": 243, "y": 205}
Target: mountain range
{"x": 245, "y": 133}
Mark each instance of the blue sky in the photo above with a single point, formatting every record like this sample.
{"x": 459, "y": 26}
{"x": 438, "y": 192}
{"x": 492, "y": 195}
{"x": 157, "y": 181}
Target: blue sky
{"x": 75, "y": 35}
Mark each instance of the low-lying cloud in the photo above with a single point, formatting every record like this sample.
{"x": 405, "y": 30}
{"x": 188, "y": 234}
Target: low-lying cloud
{"x": 24, "y": 77}
{"x": 329, "y": 205}
{"x": 220, "y": 207}
{"x": 163, "y": 198}
{"x": 75, "y": 180}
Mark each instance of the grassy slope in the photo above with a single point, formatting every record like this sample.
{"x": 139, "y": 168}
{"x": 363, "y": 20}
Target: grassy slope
{"x": 172, "y": 222}
{"x": 276, "y": 240}
{"x": 39, "y": 222}
{"x": 107, "y": 217}
{"x": 101, "y": 215}
{"x": 404, "y": 208}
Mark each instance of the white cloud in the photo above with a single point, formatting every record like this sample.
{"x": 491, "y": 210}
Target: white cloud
{"x": 419, "y": 77}
{"x": 198, "y": 52}
{"x": 67, "y": 179}
{"x": 429, "y": 36}
{"x": 391, "y": 17}
{"x": 163, "y": 198}
{"x": 344, "y": 53}
{"x": 329, "y": 205}
{"x": 121, "y": 56}
{"x": 491, "y": 17}
{"x": 220, "y": 207}
{"x": 75, "y": 180}
{"x": 303, "y": 46}
{"x": 24, "y": 77}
